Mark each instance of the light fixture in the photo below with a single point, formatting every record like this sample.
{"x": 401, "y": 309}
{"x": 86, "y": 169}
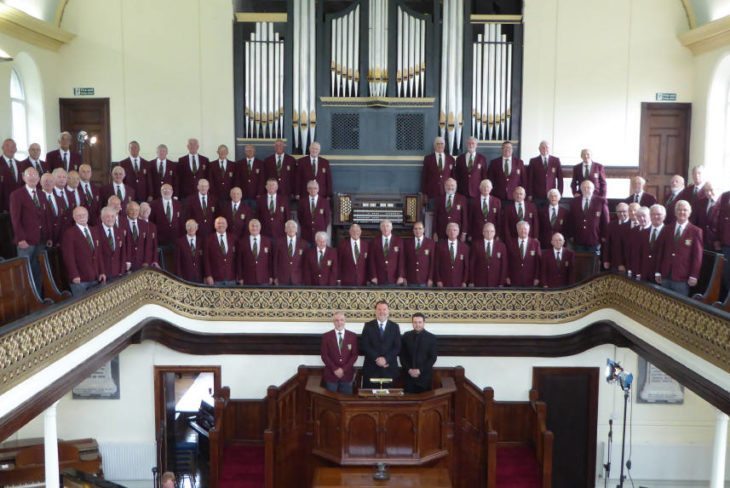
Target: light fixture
{"x": 616, "y": 373}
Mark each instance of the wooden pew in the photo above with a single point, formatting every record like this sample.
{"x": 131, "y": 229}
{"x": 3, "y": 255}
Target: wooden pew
{"x": 18, "y": 296}
{"x": 50, "y": 290}
{"x": 725, "y": 305}
{"x": 518, "y": 424}
{"x": 709, "y": 282}
{"x": 586, "y": 265}
{"x": 215, "y": 436}
{"x": 22, "y": 461}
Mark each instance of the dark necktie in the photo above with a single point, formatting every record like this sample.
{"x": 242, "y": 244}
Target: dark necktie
{"x": 382, "y": 329}
{"x": 441, "y": 162}
{"x": 314, "y": 167}
{"x": 290, "y": 248}
{"x": 135, "y": 232}
{"x": 418, "y": 243}
{"x": 449, "y": 203}
{"x": 88, "y": 238}
{"x": 136, "y": 165}
{"x": 386, "y": 247}
{"x": 452, "y": 251}
{"x": 489, "y": 249}
{"x": 585, "y": 206}
{"x": 278, "y": 165}
{"x": 235, "y": 208}
{"x": 36, "y": 202}
{"x": 195, "y": 164}
{"x": 52, "y": 200}
{"x": 471, "y": 162}
{"x": 87, "y": 192}
{"x": 553, "y": 217}
{"x": 65, "y": 161}
{"x": 110, "y": 237}
{"x": 222, "y": 244}
{"x": 339, "y": 341}
{"x": 522, "y": 248}
{"x": 320, "y": 258}
{"x": 506, "y": 167}
{"x": 159, "y": 169}
{"x": 11, "y": 163}
{"x": 678, "y": 234}
{"x": 168, "y": 212}
{"x": 192, "y": 246}
{"x": 357, "y": 252}
{"x": 485, "y": 207}
{"x": 255, "y": 248}
{"x": 271, "y": 204}
{"x": 557, "y": 257}
{"x": 636, "y": 198}
{"x": 311, "y": 205}
{"x": 586, "y": 171}
{"x": 653, "y": 238}
{"x": 205, "y": 205}
{"x": 119, "y": 193}
{"x": 520, "y": 211}
{"x": 545, "y": 162}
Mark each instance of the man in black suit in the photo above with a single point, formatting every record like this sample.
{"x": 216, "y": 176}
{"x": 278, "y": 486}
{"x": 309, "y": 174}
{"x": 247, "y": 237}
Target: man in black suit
{"x": 380, "y": 345}
{"x": 418, "y": 355}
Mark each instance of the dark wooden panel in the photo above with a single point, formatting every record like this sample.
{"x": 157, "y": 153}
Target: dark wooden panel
{"x": 400, "y": 434}
{"x": 18, "y": 297}
{"x": 509, "y": 421}
{"x": 362, "y": 435}
{"x": 92, "y": 116}
{"x": 7, "y": 248}
{"x": 249, "y": 420}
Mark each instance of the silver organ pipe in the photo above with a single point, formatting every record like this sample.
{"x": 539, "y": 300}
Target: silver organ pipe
{"x": 304, "y": 116}
{"x": 378, "y": 48}
{"x": 312, "y": 50}
{"x": 297, "y": 53}
{"x": 451, "y": 116}
{"x": 263, "y": 91}
{"x": 247, "y": 91}
{"x": 345, "y": 44}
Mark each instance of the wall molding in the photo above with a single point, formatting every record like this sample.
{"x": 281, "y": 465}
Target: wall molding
{"x": 707, "y": 37}
{"x": 27, "y": 28}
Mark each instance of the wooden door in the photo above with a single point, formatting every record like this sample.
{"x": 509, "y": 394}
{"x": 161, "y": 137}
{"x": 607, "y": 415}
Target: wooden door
{"x": 90, "y": 115}
{"x": 664, "y": 144}
{"x": 571, "y": 395}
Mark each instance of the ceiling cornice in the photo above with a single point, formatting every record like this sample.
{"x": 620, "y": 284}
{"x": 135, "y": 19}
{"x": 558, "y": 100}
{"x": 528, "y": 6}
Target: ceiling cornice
{"x": 708, "y": 37}
{"x": 27, "y": 28}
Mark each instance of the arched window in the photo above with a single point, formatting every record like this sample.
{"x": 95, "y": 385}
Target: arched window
{"x": 19, "y": 110}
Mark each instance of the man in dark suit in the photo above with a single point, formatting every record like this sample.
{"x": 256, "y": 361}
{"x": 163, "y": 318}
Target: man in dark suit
{"x": 255, "y": 257}
{"x": 470, "y": 170}
{"x": 91, "y": 193}
{"x": 201, "y": 207}
{"x": 189, "y": 254}
{"x": 63, "y": 157}
{"x": 236, "y": 213}
{"x": 588, "y": 169}
{"x": 523, "y": 258}
{"x": 167, "y": 215}
{"x": 517, "y": 210}
{"x": 222, "y": 174}
{"x": 486, "y": 208}
{"x": 11, "y": 172}
{"x": 544, "y": 173}
{"x": 553, "y": 218}
{"x": 381, "y": 343}
{"x": 82, "y": 254}
{"x": 140, "y": 252}
{"x": 338, "y": 350}
{"x": 614, "y": 251}
{"x": 488, "y": 260}
{"x": 419, "y": 256}
{"x": 117, "y": 187}
{"x": 385, "y": 262}
{"x": 693, "y": 193}
{"x": 451, "y": 267}
{"x": 313, "y": 212}
{"x": 34, "y": 160}
{"x": 638, "y": 195}
{"x": 112, "y": 244}
{"x": 352, "y": 258}
{"x": 320, "y": 263}
{"x": 138, "y": 174}
{"x": 30, "y": 219}
{"x": 418, "y": 355}
{"x": 437, "y": 168}
{"x": 314, "y": 167}
{"x": 452, "y": 207}
{"x": 251, "y": 175}
{"x": 680, "y": 253}
{"x": 707, "y": 216}
{"x": 289, "y": 257}
{"x": 163, "y": 171}
{"x": 506, "y": 173}
{"x": 283, "y": 168}
{"x": 557, "y": 266}
{"x": 191, "y": 168}
{"x": 589, "y": 218}
{"x": 273, "y": 211}
{"x": 220, "y": 256}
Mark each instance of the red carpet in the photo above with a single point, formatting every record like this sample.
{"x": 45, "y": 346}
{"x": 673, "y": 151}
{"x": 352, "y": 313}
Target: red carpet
{"x": 243, "y": 467}
{"x": 517, "y": 467}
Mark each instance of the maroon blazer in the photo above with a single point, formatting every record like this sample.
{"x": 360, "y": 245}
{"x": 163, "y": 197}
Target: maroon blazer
{"x": 205, "y": 218}
{"x": 468, "y": 181}
{"x": 287, "y": 176}
{"x": 597, "y": 176}
{"x": 334, "y": 358}
{"x": 458, "y": 214}
{"x": 616, "y": 248}
{"x": 109, "y": 190}
{"x": 272, "y": 224}
{"x": 320, "y": 274}
{"x": 41, "y": 166}
{"x": 140, "y": 181}
{"x": 432, "y": 180}
{"x": 289, "y": 270}
{"x": 255, "y": 270}
{"x": 723, "y": 220}
{"x": 237, "y": 224}
{"x": 523, "y": 271}
{"x": 351, "y": 272}
{"x": 681, "y": 259}
{"x": 139, "y": 251}
{"x": 73, "y": 195}
{"x": 30, "y": 223}
{"x": 8, "y": 183}
{"x": 477, "y": 218}
{"x": 79, "y": 259}
{"x": 221, "y": 181}
{"x": 385, "y": 268}
{"x": 252, "y": 182}
{"x": 504, "y": 185}
{"x": 547, "y": 229}
{"x": 53, "y": 158}
{"x": 153, "y": 244}
{"x": 646, "y": 200}
{"x": 451, "y": 274}
{"x": 58, "y": 218}
{"x": 688, "y": 194}
{"x": 554, "y": 274}
{"x": 114, "y": 259}
{"x": 311, "y": 224}
{"x": 510, "y": 219}
{"x": 187, "y": 182}
{"x": 588, "y": 228}
{"x": 418, "y": 265}
{"x": 169, "y": 176}
{"x": 92, "y": 201}
{"x": 219, "y": 266}
{"x": 305, "y": 174}
{"x": 189, "y": 264}
{"x": 707, "y": 221}
{"x": 643, "y": 254}
{"x": 168, "y": 230}
{"x": 484, "y": 270}
{"x": 541, "y": 179}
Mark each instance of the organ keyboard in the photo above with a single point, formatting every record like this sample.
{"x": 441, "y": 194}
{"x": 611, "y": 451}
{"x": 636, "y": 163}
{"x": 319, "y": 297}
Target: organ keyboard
{"x": 370, "y": 210}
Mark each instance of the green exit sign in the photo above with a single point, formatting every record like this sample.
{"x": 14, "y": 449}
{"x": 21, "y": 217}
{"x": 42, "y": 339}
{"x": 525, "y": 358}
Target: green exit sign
{"x": 84, "y": 92}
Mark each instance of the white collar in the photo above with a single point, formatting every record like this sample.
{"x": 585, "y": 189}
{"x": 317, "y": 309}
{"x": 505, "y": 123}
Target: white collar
{"x": 82, "y": 227}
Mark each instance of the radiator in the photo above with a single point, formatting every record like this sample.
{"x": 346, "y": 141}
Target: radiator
{"x": 128, "y": 461}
